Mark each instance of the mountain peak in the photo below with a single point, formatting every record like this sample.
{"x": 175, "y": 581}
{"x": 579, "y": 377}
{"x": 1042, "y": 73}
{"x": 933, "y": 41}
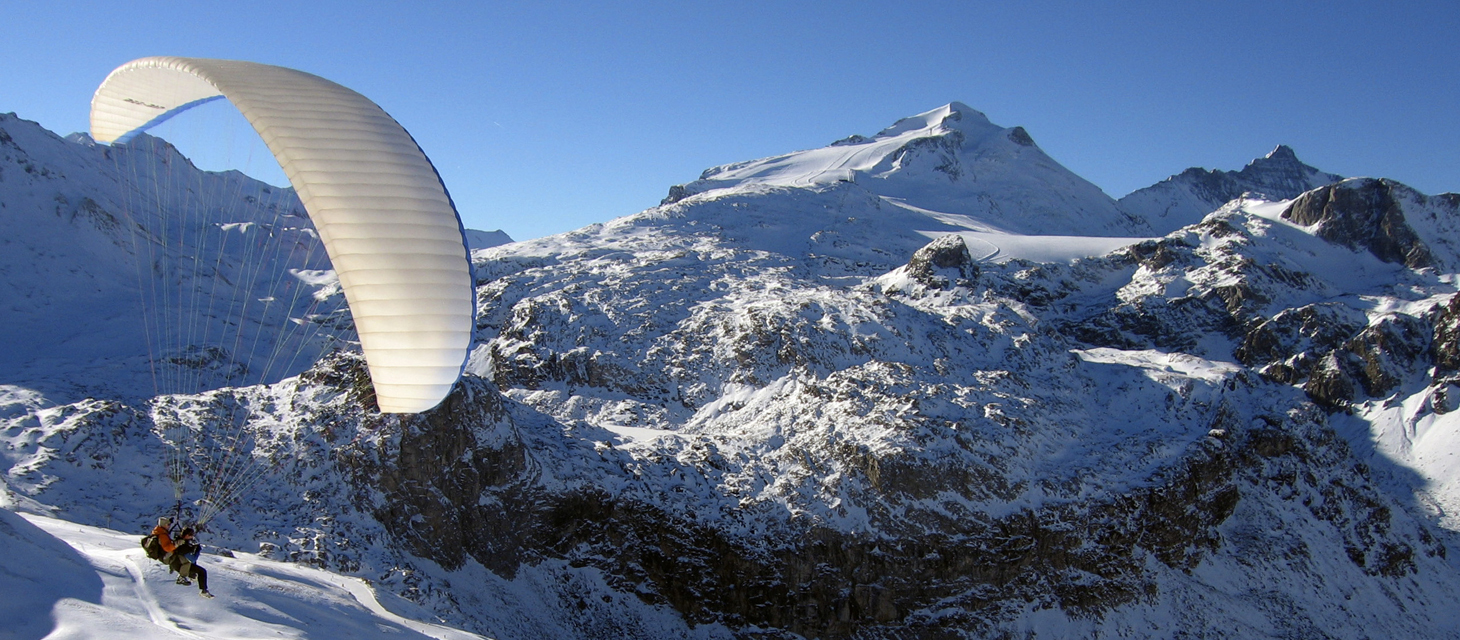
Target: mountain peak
{"x": 1187, "y": 197}
{"x": 954, "y": 116}
{"x": 1282, "y": 152}
{"x": 1280, "y": 175}
{"x": 946, "y": 161}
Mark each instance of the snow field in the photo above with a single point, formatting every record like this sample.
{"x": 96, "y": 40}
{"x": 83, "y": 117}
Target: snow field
{"x": 64, "y": 580}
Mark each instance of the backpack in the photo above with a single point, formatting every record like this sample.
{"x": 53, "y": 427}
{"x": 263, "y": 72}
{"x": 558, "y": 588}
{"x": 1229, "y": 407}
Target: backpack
{"x": 152, "y": 546}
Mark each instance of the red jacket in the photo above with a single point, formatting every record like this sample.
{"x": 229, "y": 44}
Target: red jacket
{"x": 164, "y": 539}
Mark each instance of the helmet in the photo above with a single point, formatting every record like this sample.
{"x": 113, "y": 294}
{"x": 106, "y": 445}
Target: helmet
{"x": 164, "y": 521}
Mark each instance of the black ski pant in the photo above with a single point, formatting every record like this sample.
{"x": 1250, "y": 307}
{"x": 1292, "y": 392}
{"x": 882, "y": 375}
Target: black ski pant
{"x": 185, "y": 568}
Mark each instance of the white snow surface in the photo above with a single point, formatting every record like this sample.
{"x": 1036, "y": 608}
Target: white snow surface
{"x": 65, "y": 580}
{"x": 1161, "y": 366}
{"x": 1426, "y": 443}
{"x": 950, "y": 159}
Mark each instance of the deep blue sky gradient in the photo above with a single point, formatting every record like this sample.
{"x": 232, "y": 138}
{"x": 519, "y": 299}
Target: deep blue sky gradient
{"x": 547, "y": 117}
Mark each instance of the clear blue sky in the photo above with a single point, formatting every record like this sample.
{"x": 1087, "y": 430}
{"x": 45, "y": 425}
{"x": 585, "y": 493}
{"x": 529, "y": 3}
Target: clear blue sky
{"x": 548, "y": 117}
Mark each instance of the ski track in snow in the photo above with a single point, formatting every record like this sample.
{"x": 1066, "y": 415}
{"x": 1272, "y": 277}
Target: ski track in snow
{"x": 990, "y": 244}
{"x": 145, "y": 595}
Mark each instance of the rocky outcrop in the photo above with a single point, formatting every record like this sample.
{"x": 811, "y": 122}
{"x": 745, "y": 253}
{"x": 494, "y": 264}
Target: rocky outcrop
{"x": 676, "y": 193}
{"x": 1447, "y": 338}
{"x": 1364, "y": 215}
{"x": 1336, "y": 354}
{"x": 425, "y": 476}
{"x": 1019, "y": 136}
{"x": 1288, "y": 346}
{"x": 943, "y": 263}
{"x": 1389, "y": 351}
{"x": 1280, "y": 175}
{"x": 1169, "y": 322}
{"x": 804, "y": 579}
{"x": 824, "y": 583}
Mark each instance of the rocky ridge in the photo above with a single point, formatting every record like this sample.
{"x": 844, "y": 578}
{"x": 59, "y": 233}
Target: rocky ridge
{"x": 1189, "y": 196}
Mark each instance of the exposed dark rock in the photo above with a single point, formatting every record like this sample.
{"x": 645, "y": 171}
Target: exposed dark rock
{"x": 1364, "y": 215}
{"x": 1178, "y": 323}
{"x": 1084, "y": 557}
{"x": 941, "y": 151}
{"x": 1389, "y": 351}
{"x": 439, "y": 465}
{"x": 1330, "y": 384}
{"x": 1446, "y": 344}
{"x": 1280, "y": 175}
{"x": 676, "y": 193}
{"x": 529, "y": 369}
{"x": 1159, "y": 254}
{"x": 1166, "y": 324}
{"x": 1240, "y": 299}
{"x": 943, "y": 263}
{"x": 821, "y": 583}
{"x": 1019, "y": 136}
{"x": 1375, "y": 362}
{"x": 1288, "y": 346}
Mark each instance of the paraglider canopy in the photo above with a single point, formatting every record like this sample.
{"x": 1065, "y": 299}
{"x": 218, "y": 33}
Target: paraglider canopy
{"x": 386, "y": 221}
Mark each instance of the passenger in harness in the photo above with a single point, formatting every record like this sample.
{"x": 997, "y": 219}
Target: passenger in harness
{"x": 183, "y": 558}
{"x": 180, "y": 557}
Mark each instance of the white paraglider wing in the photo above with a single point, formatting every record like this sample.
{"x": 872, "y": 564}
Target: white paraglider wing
{"x": 386, "y": 221}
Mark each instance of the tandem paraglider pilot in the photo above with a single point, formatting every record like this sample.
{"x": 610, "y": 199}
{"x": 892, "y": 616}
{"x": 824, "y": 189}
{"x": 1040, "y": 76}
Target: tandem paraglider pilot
{"x": 180, "y": 556}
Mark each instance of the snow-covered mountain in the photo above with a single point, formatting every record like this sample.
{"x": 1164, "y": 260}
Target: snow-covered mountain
{"x": 923, "y": 384}
{"x": 1187, "y": 197}
{"x": 476, "y": 239}
{"x": 950, "y": 164}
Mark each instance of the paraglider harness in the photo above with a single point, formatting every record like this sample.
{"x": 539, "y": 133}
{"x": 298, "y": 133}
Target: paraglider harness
{"x": 153, "y": 545}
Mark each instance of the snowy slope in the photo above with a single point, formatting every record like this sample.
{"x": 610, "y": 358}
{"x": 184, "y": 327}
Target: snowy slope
{"x": 951, "y": 161}
{"x": 64, "y": 580}
{"x": 83, "y": 223}
{"x": 476, "y": 239}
